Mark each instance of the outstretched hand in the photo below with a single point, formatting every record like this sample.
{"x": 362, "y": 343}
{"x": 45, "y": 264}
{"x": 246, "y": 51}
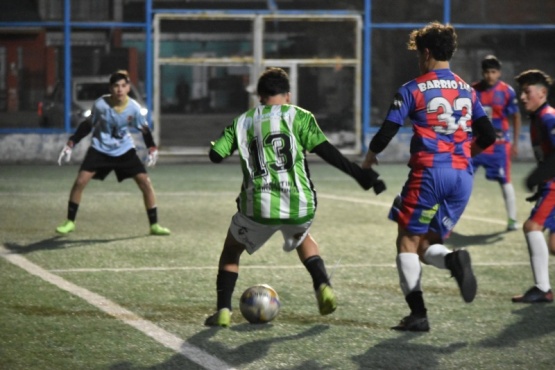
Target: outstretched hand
{"x": 152, "y": 156}
{"x": 65, "y": 153}
{"x": 369, "y": 160}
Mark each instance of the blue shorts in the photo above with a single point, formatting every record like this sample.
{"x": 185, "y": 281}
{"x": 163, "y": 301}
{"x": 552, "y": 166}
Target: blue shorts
{"x": 432, "y": 199}
{"x": 543, "y": 212}
{"x": 496, "y": 160}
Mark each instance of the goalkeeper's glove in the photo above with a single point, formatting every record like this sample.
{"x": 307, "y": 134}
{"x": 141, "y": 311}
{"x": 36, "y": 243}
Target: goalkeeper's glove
{"x": 152, "y": 156}
{"x": 66, "y": 152}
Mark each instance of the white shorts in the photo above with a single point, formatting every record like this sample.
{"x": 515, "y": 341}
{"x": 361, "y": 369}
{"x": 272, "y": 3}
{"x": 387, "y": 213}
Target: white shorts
{"x": 253, "y": 234}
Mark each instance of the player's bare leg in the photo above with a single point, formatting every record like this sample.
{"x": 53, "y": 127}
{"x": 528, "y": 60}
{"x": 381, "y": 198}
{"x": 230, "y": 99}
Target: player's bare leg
{"x": 551, "y": 243}
{"x": 149, "y": 198}
{"x": 79, "y": 185}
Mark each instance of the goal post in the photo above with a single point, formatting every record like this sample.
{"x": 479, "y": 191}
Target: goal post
{"x": 218, "y": 57}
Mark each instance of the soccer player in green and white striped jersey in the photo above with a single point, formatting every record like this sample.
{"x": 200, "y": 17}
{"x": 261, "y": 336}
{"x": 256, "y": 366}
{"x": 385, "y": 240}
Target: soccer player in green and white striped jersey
{"x": 277, "y": 193}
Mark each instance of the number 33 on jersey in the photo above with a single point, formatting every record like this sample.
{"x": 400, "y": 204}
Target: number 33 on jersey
{"x": 441, "y": 107}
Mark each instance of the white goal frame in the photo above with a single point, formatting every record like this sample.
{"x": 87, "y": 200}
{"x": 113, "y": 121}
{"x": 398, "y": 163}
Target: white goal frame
{"x": 257, "y": 62}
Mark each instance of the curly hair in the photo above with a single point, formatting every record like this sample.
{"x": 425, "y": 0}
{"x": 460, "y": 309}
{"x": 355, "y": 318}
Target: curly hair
{"x": 534, "y": 77}
{"x": 439, "y": 38}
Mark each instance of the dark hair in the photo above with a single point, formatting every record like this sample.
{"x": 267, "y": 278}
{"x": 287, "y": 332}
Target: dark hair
{"x": 490, "y": 62}
{"x": 273, "y": 81}
{"x": 440, "y": 39}
{"x": 119, "y": 75}
{"x": 534, "y": 77}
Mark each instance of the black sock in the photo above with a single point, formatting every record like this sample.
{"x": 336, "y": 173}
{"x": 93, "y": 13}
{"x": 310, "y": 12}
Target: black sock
{"x": 415, "y": 301}
{"x": 317, "y": 269}
{"x": 152, "y": 215}
{"x": 225, "y": 285}
{"x": 72, "y": 210}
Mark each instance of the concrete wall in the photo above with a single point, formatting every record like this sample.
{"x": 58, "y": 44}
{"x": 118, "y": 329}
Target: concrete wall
{"x": 45, "y": 148}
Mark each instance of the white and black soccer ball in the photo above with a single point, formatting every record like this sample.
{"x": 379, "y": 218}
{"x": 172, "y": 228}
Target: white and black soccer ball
{"x": 259, "y": 304}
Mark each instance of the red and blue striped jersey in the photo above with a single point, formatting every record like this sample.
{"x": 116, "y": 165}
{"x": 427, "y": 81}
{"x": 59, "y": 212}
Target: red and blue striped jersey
{"x": 499, "y": 102}
{"x": 441, "y": 107}
{"x": 542, "y": 130}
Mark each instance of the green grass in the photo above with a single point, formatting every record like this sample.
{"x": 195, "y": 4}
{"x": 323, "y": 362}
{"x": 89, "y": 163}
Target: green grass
{"x": 170, "y": 281}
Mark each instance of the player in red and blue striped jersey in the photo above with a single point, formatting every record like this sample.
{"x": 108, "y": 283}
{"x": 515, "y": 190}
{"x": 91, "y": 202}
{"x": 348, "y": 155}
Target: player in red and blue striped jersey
{"x": 501, "y": 105}
{"x": 534, "y": 85}
{"x": 449, "y": 126}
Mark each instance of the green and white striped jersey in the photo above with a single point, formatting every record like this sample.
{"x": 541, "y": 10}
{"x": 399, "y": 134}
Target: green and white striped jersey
{"x": 272, "y": 140}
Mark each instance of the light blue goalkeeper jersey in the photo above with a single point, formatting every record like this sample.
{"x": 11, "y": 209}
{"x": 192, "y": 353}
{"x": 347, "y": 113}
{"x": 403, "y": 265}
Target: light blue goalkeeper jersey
{"x": 111, "y": 130}
{"x": 271, "y": 143}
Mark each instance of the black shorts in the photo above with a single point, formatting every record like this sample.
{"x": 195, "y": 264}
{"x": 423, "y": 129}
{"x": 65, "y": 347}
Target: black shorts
{"x": 125, "y": 166}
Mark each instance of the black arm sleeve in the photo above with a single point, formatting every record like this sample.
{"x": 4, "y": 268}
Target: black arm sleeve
{"x": 215, "y": 157}
{"x": 366, "y": 178}
{"x": 83, "y": 130}
{"x": 147, "y": 137}
{"x": 383, "y": 136}
{"x": 484, "y": 132}
{"x": 544, "y": 171}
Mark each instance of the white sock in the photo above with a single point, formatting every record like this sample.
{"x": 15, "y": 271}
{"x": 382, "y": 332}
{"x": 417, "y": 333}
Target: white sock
{"x": 435, "y": 255}
{"x": 539, "y": 259}
{"x": 510, "y": 203}
{"x": 410, "y": 272}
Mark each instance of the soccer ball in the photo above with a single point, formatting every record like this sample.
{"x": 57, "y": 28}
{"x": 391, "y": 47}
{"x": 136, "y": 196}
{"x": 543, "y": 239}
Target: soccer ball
{"x": 259, "y": 304}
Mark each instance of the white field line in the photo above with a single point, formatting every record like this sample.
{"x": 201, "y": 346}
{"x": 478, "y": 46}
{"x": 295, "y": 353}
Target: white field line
{"x": 265, "y": 267}
{"x": 127, "y": 193}
{"x": 160, "y": 335}
{"x": 155, "y": 332}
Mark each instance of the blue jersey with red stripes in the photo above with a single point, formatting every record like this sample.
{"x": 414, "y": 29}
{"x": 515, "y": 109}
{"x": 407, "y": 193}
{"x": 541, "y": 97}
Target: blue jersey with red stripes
{"x": 441, "y": 107}
{"x": 542, "y": 136}
{"x": 542, "y": 130}
{"x": 499, "y": 102}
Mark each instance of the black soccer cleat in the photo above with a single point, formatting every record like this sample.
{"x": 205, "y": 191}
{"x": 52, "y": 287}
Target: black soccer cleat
{"x": 458, "y": 262}
{"x": 413, "y": 323}
{"x": 534, "y": 295}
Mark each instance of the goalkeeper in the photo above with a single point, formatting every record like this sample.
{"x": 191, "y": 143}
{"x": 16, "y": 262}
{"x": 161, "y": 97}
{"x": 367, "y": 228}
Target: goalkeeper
{"x": 277, "y": 193}
{"x": 112, "y": 148}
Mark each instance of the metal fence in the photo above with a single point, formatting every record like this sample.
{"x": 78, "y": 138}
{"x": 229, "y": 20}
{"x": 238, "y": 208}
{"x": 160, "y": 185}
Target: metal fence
{"x": 62, "y": 39}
